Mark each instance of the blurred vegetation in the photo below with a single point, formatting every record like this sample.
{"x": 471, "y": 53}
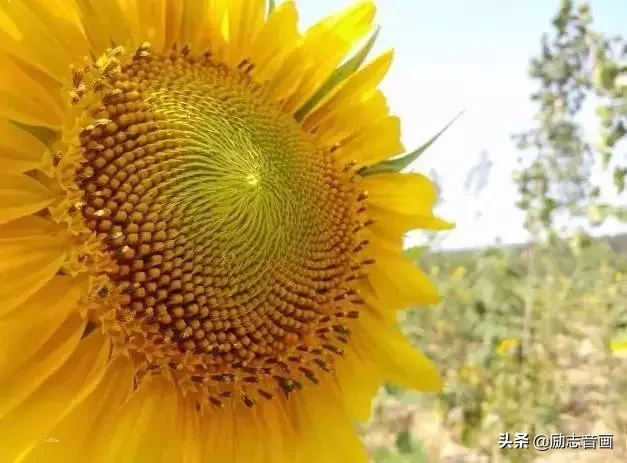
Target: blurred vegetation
{"x": 577, "y": 65}
{"x": 569, "y": 375}
{"x": 533, "y": 338}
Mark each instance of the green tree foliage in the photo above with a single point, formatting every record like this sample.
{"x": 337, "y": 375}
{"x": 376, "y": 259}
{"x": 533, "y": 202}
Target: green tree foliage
{"x": 575, "y": 64}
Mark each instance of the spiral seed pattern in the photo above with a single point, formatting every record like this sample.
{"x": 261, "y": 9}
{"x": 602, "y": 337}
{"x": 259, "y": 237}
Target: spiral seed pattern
{"x": 234, "y": 237}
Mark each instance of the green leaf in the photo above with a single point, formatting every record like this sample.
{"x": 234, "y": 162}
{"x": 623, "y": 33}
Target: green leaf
{"x": 337, "y": 77}
{"x": 392, "y": 389}
{"x": 415, "y": 252}
{"x": 620, "y": 175}
{"x": 605, "y": 75}
{"x": 271, "y": 6}
{"x": 401, "y": 162}
{"x": 404, "y": 442}
{"x": 43, "y": 134}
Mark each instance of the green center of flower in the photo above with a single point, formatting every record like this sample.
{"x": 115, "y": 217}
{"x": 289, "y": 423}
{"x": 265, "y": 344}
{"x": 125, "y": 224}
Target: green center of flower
{"x": 233, "y": 236}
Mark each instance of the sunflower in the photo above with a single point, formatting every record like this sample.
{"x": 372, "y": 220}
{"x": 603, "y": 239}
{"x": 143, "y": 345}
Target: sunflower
{"x": 201, "y": 226}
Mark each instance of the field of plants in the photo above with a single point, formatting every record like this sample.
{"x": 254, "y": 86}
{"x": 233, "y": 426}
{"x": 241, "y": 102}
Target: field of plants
{"x": 528, "y": 340}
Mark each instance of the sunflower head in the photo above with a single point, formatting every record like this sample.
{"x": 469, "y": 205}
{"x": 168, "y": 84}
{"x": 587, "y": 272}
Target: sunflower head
{"x": 208, "y": 198}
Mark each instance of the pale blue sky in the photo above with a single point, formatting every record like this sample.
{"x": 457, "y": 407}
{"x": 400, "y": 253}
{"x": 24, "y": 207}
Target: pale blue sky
{"x": 467, "y": 54}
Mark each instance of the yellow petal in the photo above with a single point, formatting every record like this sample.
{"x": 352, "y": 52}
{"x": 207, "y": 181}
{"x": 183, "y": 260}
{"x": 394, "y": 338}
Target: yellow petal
{"x": 262, "y": 433}
{"x": 27, "y": 262}
{"x": 28, "y": 227}
{"x": 27, "y": 425}
{"x": 392, "y": 223}
{"x": 36, "y": 320}
{"x": 383, "y": 237}
{"x": 403, "y": 201}
{"x": 326, "y": 431}
{"x": 351, "y": 119}
{"x": 245, "y": 20}
{"x": 130, "y": 437}
{"x": 219, "y": 444}
{"x": 51, "y": 357}
{"x": 325, "y": 45}
{"x": 43, "y": 35}
{"x": 146, "y": 21}
{"x": 373, "y": 304}
{"x": 287, "y": 77}
{"x": 68, "y": 29}
{"x": 156, "y": 21}
{"x": 253, "y": 425}
{"x": 217, "y": 28}
{"x": 201, "y": 25}
{"x": 187, "y": 425}
{"x": 173, "y": 17}
{"x": 412, "y": 194}
{"x": 275, "y": 41}
{"x": 70, "y": 441}
{"x": 104, "y": 24}
{"x": 27, "y": 96}
{"x": 21, "y": 195}
{"x": 400, "y": 362}
{"x": 19, "y": 150}
{"x": 398, "y": 283}
{"x": 235, "y": 425}
{"x": 274, "y": 421}
{"x": 359, "y": 378}
{"x": 362, "y": 82}
{"x": 376, "y": 142}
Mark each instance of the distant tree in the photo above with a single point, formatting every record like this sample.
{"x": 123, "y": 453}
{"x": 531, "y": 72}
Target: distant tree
{"x": 478, "y": 178}
{"x": 554, "y": 178}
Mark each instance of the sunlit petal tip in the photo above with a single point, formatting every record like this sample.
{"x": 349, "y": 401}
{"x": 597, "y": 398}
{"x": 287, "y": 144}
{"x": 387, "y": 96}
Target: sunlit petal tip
{"x": 430, "y": 381}
{"x": 441, "y": 224}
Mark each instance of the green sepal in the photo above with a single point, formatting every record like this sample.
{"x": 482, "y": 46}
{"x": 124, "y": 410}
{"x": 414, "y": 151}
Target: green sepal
{"x": 401, "y": 162}
{"x": 337, "y": 77}
{"x": 44, "y": 134}
{"x": 271, "y": 6}
{"x": 415, "y": 253}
